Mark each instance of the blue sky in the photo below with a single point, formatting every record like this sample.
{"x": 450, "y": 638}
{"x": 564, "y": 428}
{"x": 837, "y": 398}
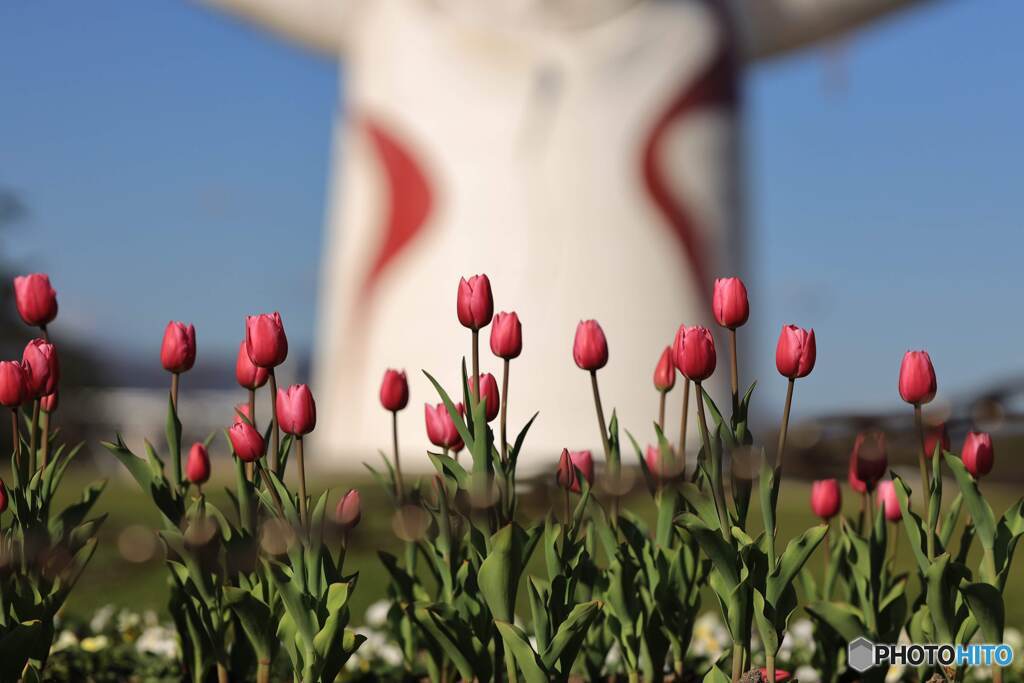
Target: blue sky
{"x": 885, "y": 184}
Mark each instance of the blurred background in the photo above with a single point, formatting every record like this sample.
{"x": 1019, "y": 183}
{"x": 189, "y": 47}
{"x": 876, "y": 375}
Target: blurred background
{"x": 153, "y": 154}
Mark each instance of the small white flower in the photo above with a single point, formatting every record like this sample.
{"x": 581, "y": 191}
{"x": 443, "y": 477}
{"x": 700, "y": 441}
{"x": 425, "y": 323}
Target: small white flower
{"x": 390, "y": 654}
{"x": 1014, "y": 639}
{"x": 803, "y": 632}
{"x": 377, "y": 613}
{"x": 982, "y": 673}
{"x": 101, "y": 620}
{"x": 66, "y": 639}
{"x": 95, "y": 643}
{"x": 807, "y": 674}
{"x": 160, "y": 641}
{"x": 613, "y": 656}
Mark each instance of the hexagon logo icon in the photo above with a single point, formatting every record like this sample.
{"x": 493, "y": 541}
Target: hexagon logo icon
{"x": 860, "y": 654}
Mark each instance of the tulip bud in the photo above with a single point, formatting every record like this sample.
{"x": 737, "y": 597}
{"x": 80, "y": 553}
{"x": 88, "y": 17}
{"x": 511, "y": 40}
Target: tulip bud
{"x": 695, "y": 353}
{"x": 265, "y": 341}
{"x": 565, "y": 475}
{"x": 178, "y": 351}
{"x": 49, "y": 402}
{"x": 937, "y": 435}
{"x": 488, "y": 392}
{"x": 869, "y": 459}
{"x": 13, "y": 387}
{"x": 590, "y": 348}
{"x": 796, "y": 352}
{"x": 42, "y": 369}
{"x": 857, "y": 484}
{"x": 826, "y": 498}
{"x": 475, "y": 305}
{"x": 242, "y": 411}
{"x": 246, "y": 441}
{"x": 296, "y": 410}
{"x": 583, "y": 462}
{"x": 730, "y": 302}
{"x": 917, "y": 378}
{"x": 35, "y": 298}
{"x": 977, "y": 454}
{"x": 652, "y": 458}
{"x": 394, "y": 390}
{"x": 197, "y": 467}
{"x": 440, "y": 428}
{"x": 506, "y": 336}
{"x": 248, "y": 374}
{"x": 349, "y": 511}
{"x": 3, "y": 497}
{"x": 888, "y": 501}
{"x": 665, "y": 371}
{"x": 780, "y": 675}
{"x": 677, "y": 347}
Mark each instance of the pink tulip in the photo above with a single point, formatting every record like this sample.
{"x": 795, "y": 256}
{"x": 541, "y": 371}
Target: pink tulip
{"x": 13, "y": 385}
{"x": 242, "y": 409}
{"x": 296, "y": 410}
{"x": 197, "y": 467}
{"x": 826, "y": 498}
{"x": 695, "y": 356}
{"x": 565, "y": 474}
{"x": 265, "y": 340}
{"x": 394, "y": 390}
{"x": 796, "y": 352}
{"x": 42, "y": 368}
{"x": 590, "y": 348}
{"x": 246, "y": 441}
{"x": 917, "y": 378}
{"x": 888, "y": 501}
{"x": 584, "y": 462}
{"x": 730, "y": 303}
{"x": 977, "y": 454}
{"x": 440, "y": 428}
{"x": 178, "y": 351}
{"x": 3, "y": 497}
{"x": 36, "y": 299}
{"x": 248, "y": 374}
{"x": 857, "y": 484}
{"x": 936, "y": 435}
{"x": 50, "y": 401}
{"x": 349, "y": 511}
{"x": 489, "y": 393}
{"x": 506, "y": 336}
{"x": 780, "y": 675}
{"x": 869, "y": 459}
{"x": 474, "y": 304}
{"x": 665, "y": 371}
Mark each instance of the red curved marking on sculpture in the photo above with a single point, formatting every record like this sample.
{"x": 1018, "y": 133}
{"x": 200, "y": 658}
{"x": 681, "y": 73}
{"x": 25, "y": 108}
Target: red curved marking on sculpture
{"x": 716, "y": 86}
{"x": 409, "y": 202}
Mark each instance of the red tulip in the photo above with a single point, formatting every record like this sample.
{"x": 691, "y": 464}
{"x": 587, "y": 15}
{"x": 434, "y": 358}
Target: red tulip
{"x": 869, "y": 460}
{"x": 856, "y": 484}
{"x": 197, "y": 467}
{"x": 178, "y": 351}
{"x": 826, "y": 498}
{"x": 246, "y": 441}
{"x": 796, "y": 352}
{"x": 242, "y": 409}
{"x": 440, "y": 428}
{"x": 394, "y": 390}
{"x": 590, "y": 348}
{"x": 917, "y": 378}
{"x": 3, "y": 497}
{"x": 565, "y": 474}
{"x": 977, "y": 454}
{"x": 42, "y": 369}
{"x": 248, "y": 374}
{"x": 780, "y": 675}
{"x": 677, "y": 347}
{"x": 296, "y": 410}
{"x": 665, "y": 371}
{"x": 506, "y": 336}
{"x": 695, "y": 356}
{"x": 265, "y": 341}
{"x": 584, "y": 462}
{"x": 49, "y": 402}
{"x": 488, "y": 392}
{"x": 475, "y": 305}
{"x": 13, "y": 385}
{"x": 888, "y": 501}
{"x": 730, "y": 302}
{"x": 35, "y": 298}
{"x": 936, "y": 435}
{"x": 349, "y": 511}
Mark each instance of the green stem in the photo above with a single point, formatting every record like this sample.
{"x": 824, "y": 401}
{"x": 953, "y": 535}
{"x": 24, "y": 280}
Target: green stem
{"x": 925, "y": 483}
{"x": 683, "y": 420}
{"x": 769, "y": 661}
{"x": 399, "y": 483}
{"x": 716, "y": 466}
{"x": 45, "y": 445}
{"x": 303, "y": 513}
{"x": 737, "y": 662}
{"x": 504, "y": 411}
{"x": 32, "y": 438}
{"x": 661, "y": 409}
{"x": 274, "y": 426}
{"x": 735, "y": 376}
{"x": 252, "y": 421}
{"x": 175, "y": 381}
{"x": 784, "y": 427}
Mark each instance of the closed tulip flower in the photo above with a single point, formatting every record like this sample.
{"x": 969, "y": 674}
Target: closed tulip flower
{"x": 856, "y": 483}
{"x": 697, "y": 358}
{"x": 590, "y": 348}
{"x": 888, "y": 501}
{"x": 242, "y": 413}
{"x": 506, "y": 336}
{"x": 42, "y": 369}
{"x": 796, "y": 352}
{"x": 652, "y": 458}
{"x": 265, "y": 340}
{"x": 178, "y": 351}
{"x": 565, "y": 474}
{"x": 489, "y": 393}
{"x": 917, "y": 378}
{"x": 349, "y": 511}
{"x": 197, "y": 467}
{"x": 246, "y": 441}
{"x": 826, "y": 498}
{"x": 3, "y": 497}
{"x": 296, "y": 410}
{"x": 937, "y": 435}
{"x": 584, "y": 462}
{"x": 665, "y": 371}
{"x": 440, "y": 428}
{"x": 50, "y": 401}
{"x": 36, "y": 299}
{"x": 13, "y": 387}
{"x": 730, "y": 303}
{"x": 475, "y": 305}
{"x": 780, "y": 675}
{"x": 869, "y": 457}
{"x": 394, "y": 390}
{"x": 248, "y": 374}
{"x": 978, "y": 455}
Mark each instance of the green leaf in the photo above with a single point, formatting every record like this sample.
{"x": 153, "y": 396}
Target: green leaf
{"x": 792, "y": 561}
{"x": 986, "y": 603}
{"x": 844, "y": 619}
{"x": 254, "y": 616}
{"x": 499, "y": 573}
{"x": 981, "y": 513}
{"x": 916, "y": 532}
{"x": 516, "y": 642}
{"x": 569, "y": 638}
